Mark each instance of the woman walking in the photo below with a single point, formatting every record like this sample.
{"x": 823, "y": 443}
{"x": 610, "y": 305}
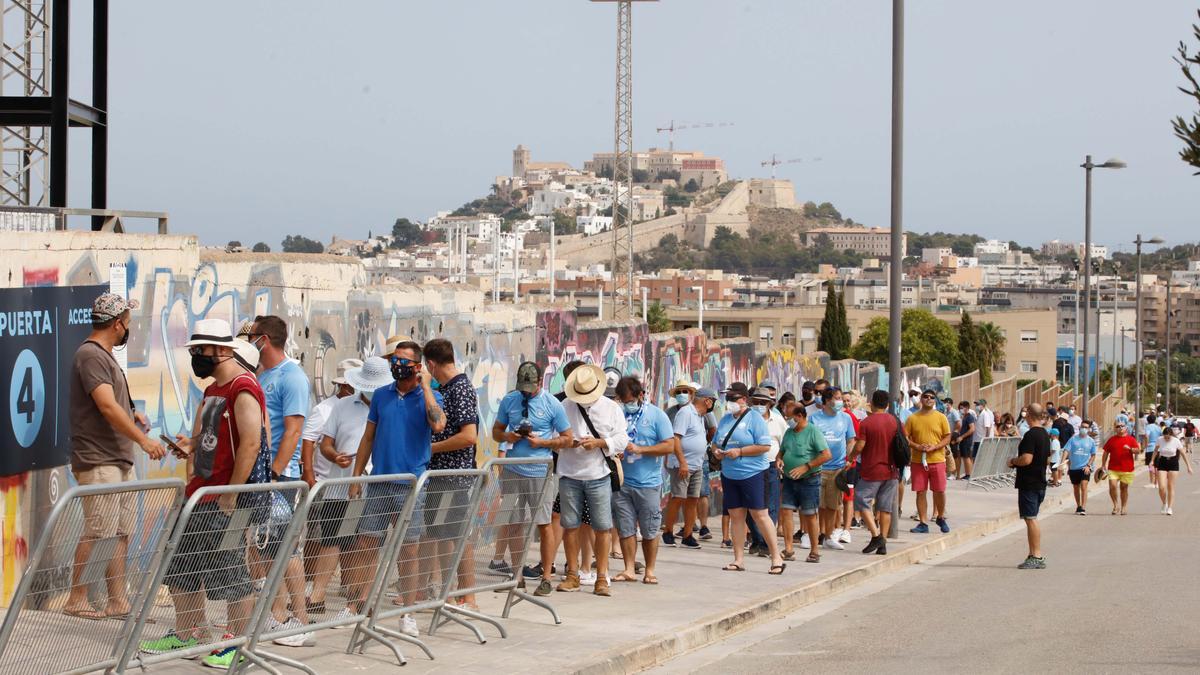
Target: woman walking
{"x": 1167, "y": 454}
{"x": 804, "y": 451}
{"x": 741, "y": 444}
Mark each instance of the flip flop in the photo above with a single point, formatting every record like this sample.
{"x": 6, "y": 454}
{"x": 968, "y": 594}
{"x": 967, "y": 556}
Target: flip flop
{"x": 650, "y": 580}
{"x": 616, "y": 556}
{"x": 623, "y": 577}
{"x": 781, "y": 567}
{"x": 788, "y": 555}
{"x": 89, "y": 614}
{"x": 733, "y": 567}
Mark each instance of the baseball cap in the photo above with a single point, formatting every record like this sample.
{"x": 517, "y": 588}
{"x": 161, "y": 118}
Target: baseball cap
{"x": 767, "y": 384}
{"x": 110, "y": 306}
{"x": 529, "y": 377}
{"x": 706, "y": 392}
{"x": 982, "y": 401}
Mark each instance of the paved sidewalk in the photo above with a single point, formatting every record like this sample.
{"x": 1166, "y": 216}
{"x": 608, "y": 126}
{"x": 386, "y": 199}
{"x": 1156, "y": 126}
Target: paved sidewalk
{"x": 695, "y": 603}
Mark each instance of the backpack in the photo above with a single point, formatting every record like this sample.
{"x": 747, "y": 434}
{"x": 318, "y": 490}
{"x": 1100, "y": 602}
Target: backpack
{"x": 901, "y": 453}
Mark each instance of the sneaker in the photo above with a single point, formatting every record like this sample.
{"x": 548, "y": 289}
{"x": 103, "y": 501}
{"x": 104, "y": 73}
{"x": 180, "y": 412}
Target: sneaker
{"x": 532, "y": 572}
{"x": 921, "y": 528}
{"x": 1032, "y": 563}
{"x": 587, "y": 578}
{"x": 845, "y": 537}
{"x": 874, "y": 544}
{"x": 757, "y": 550}
{"x": 167, "y": 644}
{"x": 690, "y": 542}
{"x": 500, "y": 568}
{"x": 726, "y": 543}
{"x": 298, "y": 640}
{"x": 1170, "y": 511}
{"x": 856, "y": 524}
{"x": 345, "y": 615}
{"x": 1163, "y": 510}
{"x": 274, "y": 625}
{"x": 570, "y": 584}
{"x": 804, "y": 541}
{"x": 668, "y": 539}
{"x": 408, "y": 625}
{"x": 797, "y": 536}
{"x": 942, "y": 525}
{"x": 1082, "y": 511}
{"x": 222, "y": 658}
{"x": 834, "y": 544}
{"x": 705, "y": 535}
{"x": 543, "y": 588}
{"x": 1078, "y": 509}
{"x": 966, "y": 476}
{"x": 837, "y": 534}
{"x": 602, "y": 588}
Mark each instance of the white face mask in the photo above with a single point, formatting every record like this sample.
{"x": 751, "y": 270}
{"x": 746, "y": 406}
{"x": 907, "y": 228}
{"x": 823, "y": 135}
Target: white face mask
{"x": 733, "y": 408}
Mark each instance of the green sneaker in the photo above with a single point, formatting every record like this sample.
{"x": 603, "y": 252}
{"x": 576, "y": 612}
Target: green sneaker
{"x": 167, "y": 644}
{"x": 222, "y": 658}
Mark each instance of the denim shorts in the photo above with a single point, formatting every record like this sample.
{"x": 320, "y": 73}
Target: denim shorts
{"x": 1029, "y": 502}
{"x": 385, "y": 501}
{"x": 635, "y": 507}
{"x": 746, "y": 493}
{"x": 597, "y": 494}
{"x": 802, "y": 495}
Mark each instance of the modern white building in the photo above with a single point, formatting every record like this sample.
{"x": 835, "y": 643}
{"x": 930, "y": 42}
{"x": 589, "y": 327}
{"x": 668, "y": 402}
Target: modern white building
{"x": 591, "y": 225}
{"x": 481, "y": 226}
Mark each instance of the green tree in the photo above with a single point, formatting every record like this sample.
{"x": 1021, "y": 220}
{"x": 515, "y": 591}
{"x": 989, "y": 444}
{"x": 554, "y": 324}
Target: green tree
{"x": 641, "y": 176}
{"x": 972, "y": 353}
{"x": 406, "y": 233}
{"x": 1188, "y": 131}
{"x": 656, "y": 318}
{"x": 993, "y": 341}
{"x": 924, "y": 338}
{"x": 564, "y": 223}
{"x": 834, "y": 338}
{"x": 234, "y": 244}
{"x": 261, "y": 247}
{"x": 691, "y": 185}
{"x": 827, "y": 211}
{"x": 296, "y": 243}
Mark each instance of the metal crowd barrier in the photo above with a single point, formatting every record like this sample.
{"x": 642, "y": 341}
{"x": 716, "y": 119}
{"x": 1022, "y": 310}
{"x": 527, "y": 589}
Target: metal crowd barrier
{"x": 422, "y": 561}
{"x": 224, "y": 566}
{"x": 991, "y": 469}
{"x": 99, "y": 543}
{"x": 506, "y": 520}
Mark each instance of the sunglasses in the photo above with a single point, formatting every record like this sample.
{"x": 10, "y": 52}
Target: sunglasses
{"x": 927, "y": 396}
{"x": 402, "y": 361}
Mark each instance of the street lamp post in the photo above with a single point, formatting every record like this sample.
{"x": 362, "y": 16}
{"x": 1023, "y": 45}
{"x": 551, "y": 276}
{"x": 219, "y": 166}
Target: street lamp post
{"x": 1096, "y": 342}
{"x": 1116, "y": 289}
{"x": 1075, "y": 345}
{"x": 1087, "y": 250}
{"x": 1138, "y": 327}
{"x": 1167, "y": 391}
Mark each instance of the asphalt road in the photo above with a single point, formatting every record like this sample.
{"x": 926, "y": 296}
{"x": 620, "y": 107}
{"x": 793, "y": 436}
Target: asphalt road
{"x": 1120, "y": 594}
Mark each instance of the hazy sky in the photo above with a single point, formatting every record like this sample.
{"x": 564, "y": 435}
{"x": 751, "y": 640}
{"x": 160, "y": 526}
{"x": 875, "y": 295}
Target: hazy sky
{"x": 252, "y": 120}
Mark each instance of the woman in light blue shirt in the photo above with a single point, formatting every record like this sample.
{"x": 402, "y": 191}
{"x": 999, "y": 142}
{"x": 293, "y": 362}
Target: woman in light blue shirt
{"x": 741, "y": 443}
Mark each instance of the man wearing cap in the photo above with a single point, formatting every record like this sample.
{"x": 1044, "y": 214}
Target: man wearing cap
{"x": 838, "y": 430}
{"x": 286, "y": 388}
{"x": 401, "y": 422}
{"x": 928, "y": 435}
{"x": 598, "y": 431}
{"x": 104, "y": 427}
{"x": 222, "y": 449}
{"x": 688, "y": 477}
{"x": 313, "y": 464}
{"x": 338, "y": 449}
{"x": 535, "y": 424}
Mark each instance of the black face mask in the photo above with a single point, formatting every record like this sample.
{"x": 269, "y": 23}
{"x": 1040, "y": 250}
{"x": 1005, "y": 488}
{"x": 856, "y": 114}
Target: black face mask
{"x": 125, "y": 337}
{"x": 203, "y": 366}
{"x": 401, "y": 372}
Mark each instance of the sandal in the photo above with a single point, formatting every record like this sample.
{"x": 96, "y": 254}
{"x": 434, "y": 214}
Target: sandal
{"x": 650, "y": 581}
{"x": 623, "y": 577}
{"x": 733, "y": 567}
{"x": 780, "y": 567}
{"x": 86, "y": 613}
{"x": 615, "y": 555}
{"x": 813, "y": 558}
{"x": 789, "y": 555}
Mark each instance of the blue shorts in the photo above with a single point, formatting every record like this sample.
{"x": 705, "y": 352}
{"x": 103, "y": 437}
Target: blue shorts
{"x": 705, "y": 484}
{"x": 1029, "y": 502}
{"x": 596, "y": 494}
{"x": 385, "y": 501}
{"x": 802, "y": 495}
{"x": 747, "y": 493}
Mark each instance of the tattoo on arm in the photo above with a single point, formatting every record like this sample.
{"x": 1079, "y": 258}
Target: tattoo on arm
{"x": 435, "y": 414}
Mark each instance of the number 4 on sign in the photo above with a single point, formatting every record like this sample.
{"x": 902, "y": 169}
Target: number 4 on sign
{"x": 26, "y": 405}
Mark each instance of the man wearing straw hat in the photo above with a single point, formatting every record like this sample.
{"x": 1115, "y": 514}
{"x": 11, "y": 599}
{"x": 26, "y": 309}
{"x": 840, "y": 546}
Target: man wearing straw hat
{"x": 599, "y": 432}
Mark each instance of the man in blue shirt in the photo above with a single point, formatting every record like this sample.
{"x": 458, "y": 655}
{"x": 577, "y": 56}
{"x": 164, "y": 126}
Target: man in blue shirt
{"x": 285, "y": 387}
{"x": 837, "y": 429}
{"x": 639, "y": 501}
{"x": 535, "y": 424}
{"x": 1081, "y": 453}
{"x": 688, "y": 476}
{"x": 398, "y": 439}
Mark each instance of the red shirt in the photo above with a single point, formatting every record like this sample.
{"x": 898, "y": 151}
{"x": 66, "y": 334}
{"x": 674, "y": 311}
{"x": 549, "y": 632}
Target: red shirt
{"x": 877, "y": 432}
{"x": 1120, "y": 451}
{"x": 213, "y": 448}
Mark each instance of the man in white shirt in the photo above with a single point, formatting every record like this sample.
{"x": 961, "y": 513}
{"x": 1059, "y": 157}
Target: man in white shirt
{"x": 583, "y": 472}
{"x": 1074, "y": 418}
{"x": 312, "y": 463}
{"x": 331, "y": 517}
{"x": 985, "y": 427}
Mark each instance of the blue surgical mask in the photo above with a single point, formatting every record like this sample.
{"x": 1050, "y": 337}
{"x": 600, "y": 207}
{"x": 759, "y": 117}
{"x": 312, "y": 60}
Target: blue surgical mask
{"x": 632, "y": 407}
{"x": 434, "y": 384}
{"x": 760, "y": 409}
{"x": 838, "y": 405}
{"x": 682, "y": 399}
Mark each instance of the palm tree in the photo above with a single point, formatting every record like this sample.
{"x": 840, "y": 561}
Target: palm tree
{"x": 993, "y": 342}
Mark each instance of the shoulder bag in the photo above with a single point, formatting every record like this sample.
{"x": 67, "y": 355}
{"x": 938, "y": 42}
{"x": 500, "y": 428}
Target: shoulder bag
{"x": 714, "y": 464}
{"x": 616, "y": 474}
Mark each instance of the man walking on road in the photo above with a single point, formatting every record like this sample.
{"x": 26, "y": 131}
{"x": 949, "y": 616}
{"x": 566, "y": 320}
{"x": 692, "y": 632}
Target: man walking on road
{"x": 1033, "y": 455}
{"x": 929, "y": 433}
{"x": 1118, "y": 456}
{"x": 875, "y": 491}
{"x": 1081, "y": 453}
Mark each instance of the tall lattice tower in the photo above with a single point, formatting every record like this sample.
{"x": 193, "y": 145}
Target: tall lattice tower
{"x": 25, "y": 72}
{"x": 622, "y": 256}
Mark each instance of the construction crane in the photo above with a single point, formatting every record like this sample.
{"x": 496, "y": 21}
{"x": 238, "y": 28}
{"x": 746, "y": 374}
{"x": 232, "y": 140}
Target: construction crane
{"x": 672, "y": 128}
{"x": 775, "y": 161}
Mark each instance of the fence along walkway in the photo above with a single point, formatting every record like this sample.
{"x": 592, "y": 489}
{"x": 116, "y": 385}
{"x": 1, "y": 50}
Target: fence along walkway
{"x": 991, "y": 463}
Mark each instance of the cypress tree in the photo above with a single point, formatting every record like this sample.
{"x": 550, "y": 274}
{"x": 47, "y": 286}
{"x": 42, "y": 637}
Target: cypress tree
{"x": 826, "y": 340}
{"x": 972, "y": 353}
{"x": 842, "y": 330}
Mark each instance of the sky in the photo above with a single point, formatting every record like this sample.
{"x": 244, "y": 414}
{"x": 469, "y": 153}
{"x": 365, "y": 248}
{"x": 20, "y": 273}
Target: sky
{"x": 254, "y": 120}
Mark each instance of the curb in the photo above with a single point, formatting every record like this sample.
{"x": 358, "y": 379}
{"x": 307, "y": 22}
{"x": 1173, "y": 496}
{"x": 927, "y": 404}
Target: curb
{"x": 657, "y": 649}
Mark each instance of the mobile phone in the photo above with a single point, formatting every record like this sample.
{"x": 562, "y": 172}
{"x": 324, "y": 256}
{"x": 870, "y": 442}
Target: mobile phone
{"x": 175, "y": 449}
